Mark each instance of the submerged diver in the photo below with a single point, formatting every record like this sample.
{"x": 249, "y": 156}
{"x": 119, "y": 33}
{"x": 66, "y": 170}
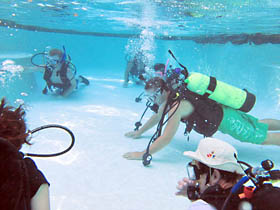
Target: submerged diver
{"x": 23, "y": 185}
{"x": 59, "y": 74}
{"x": 216, "y": 180}
{"x": 134, "y": 69}
{"x": 203, "y": 115}
{"x": 212, "y": 173}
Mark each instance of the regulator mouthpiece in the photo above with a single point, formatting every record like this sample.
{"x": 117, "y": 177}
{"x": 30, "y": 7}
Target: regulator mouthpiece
{"x": 146, "y": 159}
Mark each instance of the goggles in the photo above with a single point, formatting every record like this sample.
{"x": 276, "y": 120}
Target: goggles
{"x": 52, "y": 60}
{"x": 194, "y": 171}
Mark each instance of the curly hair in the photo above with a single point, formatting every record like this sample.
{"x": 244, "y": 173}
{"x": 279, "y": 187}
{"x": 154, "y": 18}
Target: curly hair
{"x": 12, "y": 125}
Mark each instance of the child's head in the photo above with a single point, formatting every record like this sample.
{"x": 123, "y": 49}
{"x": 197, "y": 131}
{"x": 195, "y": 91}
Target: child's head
{"x": 12, "y": 125}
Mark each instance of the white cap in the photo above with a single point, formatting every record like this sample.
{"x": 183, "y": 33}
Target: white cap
{"x": 216, "y": 154}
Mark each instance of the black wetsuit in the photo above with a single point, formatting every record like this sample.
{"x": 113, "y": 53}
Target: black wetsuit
{"x": 20, "y": 178}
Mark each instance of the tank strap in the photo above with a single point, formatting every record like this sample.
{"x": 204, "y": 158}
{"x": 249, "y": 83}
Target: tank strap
{"x": 249, "y": 102}
{"x": 211, "y": 87}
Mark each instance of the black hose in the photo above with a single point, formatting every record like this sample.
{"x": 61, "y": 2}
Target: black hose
{"x": 58, "y": 153}
{"x": 41, "y": 66}
{"x": 147, "y": 157}
{"x": 73, "y": 68}
{"x": 138, "y": 123}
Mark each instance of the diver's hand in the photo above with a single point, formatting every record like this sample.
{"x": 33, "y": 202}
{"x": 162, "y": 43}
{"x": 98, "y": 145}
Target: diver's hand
{"x": 183, "y": 185}
{"x": 133, "y": 134}
{"x": 133, "y": 155}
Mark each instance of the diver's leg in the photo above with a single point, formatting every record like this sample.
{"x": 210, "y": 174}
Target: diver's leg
{"x": 272, "y": 139}
{"x": 273, "y": 125}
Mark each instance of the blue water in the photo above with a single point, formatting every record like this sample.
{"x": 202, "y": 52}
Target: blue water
{"x": 93, "y": 175}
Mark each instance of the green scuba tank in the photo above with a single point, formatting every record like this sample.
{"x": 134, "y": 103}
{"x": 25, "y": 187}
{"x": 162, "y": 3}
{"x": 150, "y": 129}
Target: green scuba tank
{"x": 220, "y": 92}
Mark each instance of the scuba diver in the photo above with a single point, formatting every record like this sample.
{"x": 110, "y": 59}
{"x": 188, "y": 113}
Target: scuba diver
{"x": 216, "y": 180}
{"x": 134, "y": 69}
{"x": 203, "y": 115}
{"x": 59, "y": 76}
{"x": 60, "y": 73}
{"x": 212, "y": 173}
{"x": 140, "y": 75}
{"x": 23, "y": 185}
{"x": 199, "y": 112}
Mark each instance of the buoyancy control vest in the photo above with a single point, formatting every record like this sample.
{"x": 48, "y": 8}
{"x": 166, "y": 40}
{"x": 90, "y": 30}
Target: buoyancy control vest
{"x": 207, "y": 114}
{"x": 62, "y": 73}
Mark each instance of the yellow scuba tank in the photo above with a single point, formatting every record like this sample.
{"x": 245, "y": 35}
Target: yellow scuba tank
{"x": 220, "y": 92}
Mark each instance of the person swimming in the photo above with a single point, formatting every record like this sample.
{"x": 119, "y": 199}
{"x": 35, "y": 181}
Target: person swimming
{"x": 60, "y": 75}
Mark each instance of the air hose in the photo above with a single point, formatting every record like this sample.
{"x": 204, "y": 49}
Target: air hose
{"x": 58, "y": 153}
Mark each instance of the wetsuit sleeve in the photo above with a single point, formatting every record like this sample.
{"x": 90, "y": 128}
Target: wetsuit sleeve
{"x": 35, "y": 177}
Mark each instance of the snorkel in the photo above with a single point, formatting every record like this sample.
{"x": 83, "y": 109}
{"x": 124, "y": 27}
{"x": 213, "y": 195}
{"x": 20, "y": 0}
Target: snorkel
{"x": 64, "y": 55}
{"x": 165, "y": 69}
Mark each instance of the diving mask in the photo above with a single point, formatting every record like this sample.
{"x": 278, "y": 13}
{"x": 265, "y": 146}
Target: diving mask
{"x": 193, "y": 191}
{"x": 52, "y": 60}
{"x": 194, "y": 171}
{"x": 153, "y": 96}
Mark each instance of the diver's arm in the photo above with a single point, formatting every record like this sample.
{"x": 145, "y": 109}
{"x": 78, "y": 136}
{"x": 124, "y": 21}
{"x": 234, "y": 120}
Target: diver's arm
{"x": 41, "y": 200}
{"x": 184, "y": 109}
{"x": 179, "y": 111}
{"x": 148, "y": 125}
{"x": 152, "y": 121}
{"x": 168, "y": 133}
